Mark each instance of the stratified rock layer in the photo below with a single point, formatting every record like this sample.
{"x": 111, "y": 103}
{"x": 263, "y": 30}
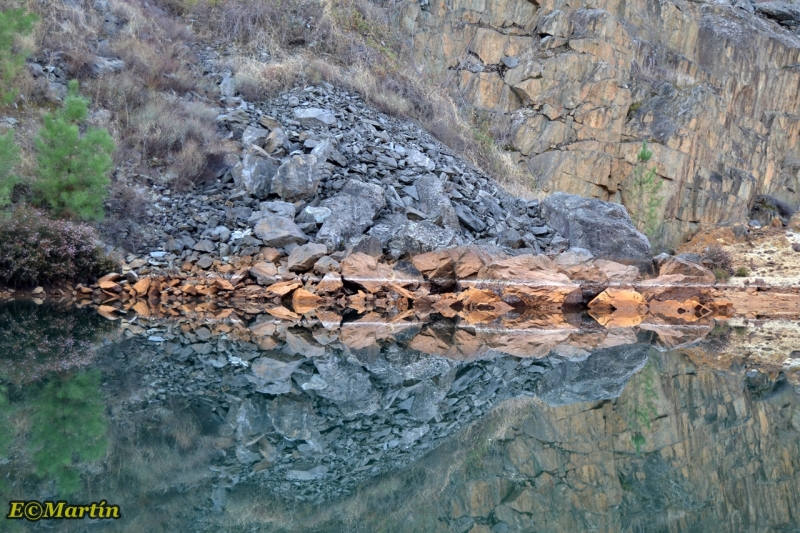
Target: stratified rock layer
{"x": 713, "y": 87}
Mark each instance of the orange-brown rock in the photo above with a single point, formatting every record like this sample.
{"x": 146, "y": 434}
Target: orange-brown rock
{"x": 271, "y": 255}
{"x": 282, "y": 313}
{"x": 673, "y": 287}
{"x": 693, "y": 272}
{"x": 361, "y": 302}
{"x": 437, "y": 266}
{"x": 111, "y": 286}
{"x": 542, "y": 295}
{"x": 223, "y": 284}
{"x": 618, "y": 273}
{"x": 620, "y": 299}
{"x": 520, "y": 269}
{"x": 585, "y": 273}
{"x": 689, "y": 310}
{"x": 469, "y": 260}
{"x": 529, "y": 280}
{"x": 481, "y": 305}
{"x": 330, "y": 283}
{"x": 142, "y": 286}
{"x": 365, "y": 271}
{"x": 108, "y": 312}
{"x": 265, "y": 272}
{"x": 285, "y": 287}
{"x": 265, "y": 329}
{"x": 618, "y": 318}
{"x": 328, "y": 319}
{"x": 369, "y": 330}
{"x": 304, "y": 302}
{"x": 444, "y": 305}
{"x": 141, "y": 308}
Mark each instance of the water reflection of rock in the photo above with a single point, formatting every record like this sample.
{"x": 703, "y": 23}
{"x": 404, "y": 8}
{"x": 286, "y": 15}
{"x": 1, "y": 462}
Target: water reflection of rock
{"x": 314, "y": 412}
{"x": 681, "y": 449}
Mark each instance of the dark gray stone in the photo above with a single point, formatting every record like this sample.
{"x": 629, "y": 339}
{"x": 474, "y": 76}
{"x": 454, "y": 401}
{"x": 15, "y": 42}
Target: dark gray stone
{"x": 420, "y": 237}
{"x": 278, "y": 232}
{"x": 603, "y": 228}
{"x": 254, "y": 174}
{"x": 297, "y": 178}
{"x": 468, "y": 218}
{"x": 783, "y": 12}
{"x": 303, "y": 257}
{"x": 434, "y": 202}
{"x": 352, "y": 212}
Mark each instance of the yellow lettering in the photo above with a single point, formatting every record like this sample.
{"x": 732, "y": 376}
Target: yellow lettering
{"x": 72, "y": 512}
{"x": 15, "y": 511}
{"x": 53, "y": 511}
{"x": 113, "y": 511}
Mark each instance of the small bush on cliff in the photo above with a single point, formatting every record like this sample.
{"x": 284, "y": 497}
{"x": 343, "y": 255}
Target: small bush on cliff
{"x": 643, "y": 187}
{"x": 36, "y": 250}
{"x": 73, "y": 168}
{"x": 13, "y": 22}
{"x": 718, "y": 259}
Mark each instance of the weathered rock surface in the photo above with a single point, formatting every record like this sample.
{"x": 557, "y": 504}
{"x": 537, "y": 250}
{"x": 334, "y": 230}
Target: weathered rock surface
{"x": 603, "y": 228}
{"x": 278, "y": 231}
{"x": 304, "y": 257}
{"x": 352, "y": 212}
{"x": 297, "y": 178}
{"x": 255, "y": 174}
{"x": 579, "y": 86}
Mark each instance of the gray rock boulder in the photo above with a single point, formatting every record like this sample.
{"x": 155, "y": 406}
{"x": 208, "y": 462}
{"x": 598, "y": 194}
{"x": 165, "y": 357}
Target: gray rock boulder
{"x": 352, "y": 212}
{"x": 278, "y": 232}
{"x": 783, "y": 12}
{"x": 297, "y": 178}
{"x": 253, "y": 135}
{"x": 602, "y": 228}
{"x": 433, "y": 201}
{"x": 313, "y": 116}
{"x": 254, "y": 174}
{"x": 302, "y": 258}
{"x": 276, "y": 139}
{"x": 421, "y": 237}
{"x": 281, "y": 209}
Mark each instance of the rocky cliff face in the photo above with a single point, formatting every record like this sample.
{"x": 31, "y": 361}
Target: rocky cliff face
{"x": 579, "y": 85}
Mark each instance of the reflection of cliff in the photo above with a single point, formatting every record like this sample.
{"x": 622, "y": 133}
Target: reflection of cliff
{"x": 717, "y": 453}
{"x": 576, "y": 85}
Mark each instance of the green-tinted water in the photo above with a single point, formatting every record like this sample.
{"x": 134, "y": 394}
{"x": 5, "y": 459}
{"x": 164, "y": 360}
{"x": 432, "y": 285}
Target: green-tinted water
{"x": 234, "y": 426}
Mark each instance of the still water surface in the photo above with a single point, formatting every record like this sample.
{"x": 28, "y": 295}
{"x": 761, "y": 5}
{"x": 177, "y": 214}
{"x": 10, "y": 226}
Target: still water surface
{"x": 253, "y": 425}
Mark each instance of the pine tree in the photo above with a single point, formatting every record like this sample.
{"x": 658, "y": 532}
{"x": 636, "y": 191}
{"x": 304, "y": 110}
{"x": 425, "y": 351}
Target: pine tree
{"x": 13, "y": 22}
{"x": 73, "y": 167}
{"x": 9, "y": 157}
{"x": 643, "y": 186}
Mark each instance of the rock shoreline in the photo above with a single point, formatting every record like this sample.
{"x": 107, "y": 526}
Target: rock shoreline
{"x": 478, "y": 284}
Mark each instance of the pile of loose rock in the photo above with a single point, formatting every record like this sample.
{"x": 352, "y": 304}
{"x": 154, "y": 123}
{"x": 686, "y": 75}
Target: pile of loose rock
{"x": 319, "y": 166}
